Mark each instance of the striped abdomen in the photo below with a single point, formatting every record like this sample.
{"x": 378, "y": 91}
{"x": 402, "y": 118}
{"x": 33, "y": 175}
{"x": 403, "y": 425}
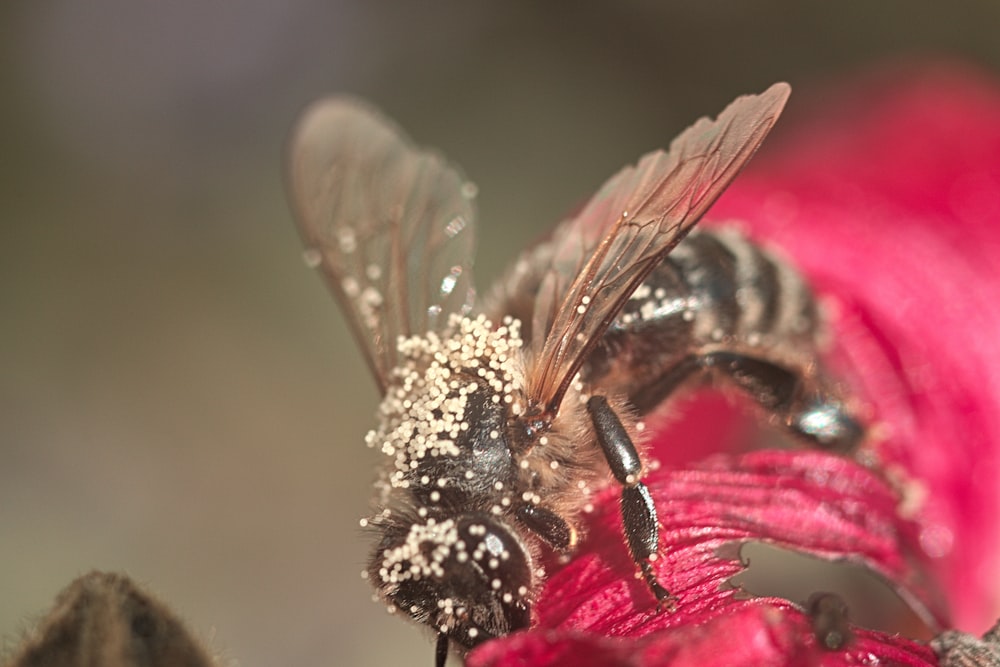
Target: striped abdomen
{"x": 719, "y": 304}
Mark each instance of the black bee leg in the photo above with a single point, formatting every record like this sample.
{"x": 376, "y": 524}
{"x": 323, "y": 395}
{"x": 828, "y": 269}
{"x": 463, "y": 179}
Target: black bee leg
{"x": 809, "y": 410}
{"x": 643, "y": 534}
{"x": 549, "y": 526}
{"x": 441, "y": 650}
{"x": 642, "y": 530}
{"x": 652, "y": 395}
{"x": 830, "y": 619}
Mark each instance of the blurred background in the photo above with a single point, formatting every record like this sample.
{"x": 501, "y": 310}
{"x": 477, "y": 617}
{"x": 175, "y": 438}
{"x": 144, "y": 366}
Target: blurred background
{"x": 179, "y": 397}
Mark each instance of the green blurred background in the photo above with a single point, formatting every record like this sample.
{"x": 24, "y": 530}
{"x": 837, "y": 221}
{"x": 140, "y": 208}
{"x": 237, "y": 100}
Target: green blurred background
{"x": 179, "y": 397}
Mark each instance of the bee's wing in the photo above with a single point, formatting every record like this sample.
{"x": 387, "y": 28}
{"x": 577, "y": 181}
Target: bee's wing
{"x": 603, "y": 254}
{"x": 390, "y": 226}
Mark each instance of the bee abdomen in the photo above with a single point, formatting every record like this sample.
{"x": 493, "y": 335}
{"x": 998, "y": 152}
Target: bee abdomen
{"x": 716, "y": 291}
{"x": 719, "y": 287}
{"x": 739, "y": 293}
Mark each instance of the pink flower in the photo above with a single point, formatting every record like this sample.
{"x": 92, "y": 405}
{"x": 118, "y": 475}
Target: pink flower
{"x": 886, "y": 193}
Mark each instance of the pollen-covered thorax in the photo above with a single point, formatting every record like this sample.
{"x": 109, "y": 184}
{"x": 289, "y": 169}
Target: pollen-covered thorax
{"x": 448, "y": 385}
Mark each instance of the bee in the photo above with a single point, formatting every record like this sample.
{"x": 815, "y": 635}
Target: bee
{"x": 107, "y": 619}
{"x": 960, "y": 649}
{"x": 498, "y": 420}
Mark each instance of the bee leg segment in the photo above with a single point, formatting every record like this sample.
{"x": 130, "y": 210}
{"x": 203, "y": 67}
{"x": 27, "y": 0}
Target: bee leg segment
{"x": 441, "y": 650}
{"x": 830, "y": 620}
{"x": 643, "y": 534}
{"x": 642, "y": 530}
{"x": 549, "y": 526}
{"x": 807, "y": 409}
{"x": 656, "y": 392}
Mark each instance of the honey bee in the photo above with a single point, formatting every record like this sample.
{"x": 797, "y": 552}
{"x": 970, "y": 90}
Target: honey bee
{"x": 497, "y": 420}
{"x": 960, "y": 649}
{"x": 107, "y": 619}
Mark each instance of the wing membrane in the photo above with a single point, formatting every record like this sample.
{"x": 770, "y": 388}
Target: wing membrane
{"x": 602, "y": 255}
{"x": 390, "y": 227}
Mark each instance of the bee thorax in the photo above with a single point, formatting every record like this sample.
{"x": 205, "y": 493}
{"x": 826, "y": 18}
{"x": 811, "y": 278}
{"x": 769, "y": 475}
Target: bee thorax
{"x": 449, "y": 396}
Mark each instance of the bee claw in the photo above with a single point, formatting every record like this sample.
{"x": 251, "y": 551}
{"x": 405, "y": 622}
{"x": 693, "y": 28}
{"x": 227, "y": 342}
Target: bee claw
{"x": 666, "y": 604}
{"x": 664, "y": 600}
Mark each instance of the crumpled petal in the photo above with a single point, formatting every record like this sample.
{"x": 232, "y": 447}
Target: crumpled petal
{"x": 809, "y": 501}
{"x": 812, "y": 501}
{"x": 752, "y": 636}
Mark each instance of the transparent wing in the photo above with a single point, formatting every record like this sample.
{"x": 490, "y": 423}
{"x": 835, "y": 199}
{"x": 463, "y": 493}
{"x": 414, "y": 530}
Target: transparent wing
{"x": 602, "y": 255}
{"x": 389, "y": 226}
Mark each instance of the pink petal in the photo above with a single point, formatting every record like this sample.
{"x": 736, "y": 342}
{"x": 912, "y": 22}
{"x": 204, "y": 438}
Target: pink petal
{"x": 818, "y": 503}
{"x": 888, "y": 198}
{"x": 753, "y": 636}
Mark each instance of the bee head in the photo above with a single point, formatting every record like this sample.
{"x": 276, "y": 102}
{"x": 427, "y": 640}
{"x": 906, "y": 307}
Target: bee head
{"x": 468, "y": 578}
